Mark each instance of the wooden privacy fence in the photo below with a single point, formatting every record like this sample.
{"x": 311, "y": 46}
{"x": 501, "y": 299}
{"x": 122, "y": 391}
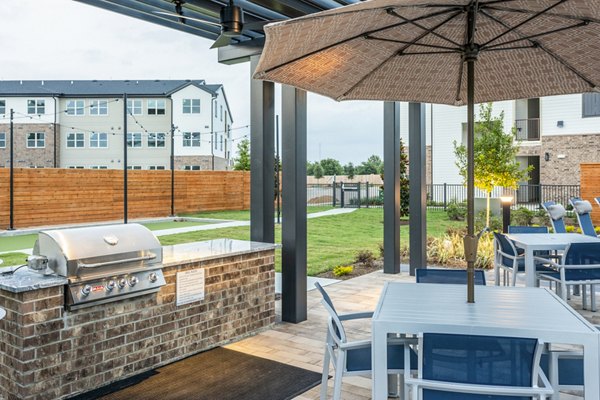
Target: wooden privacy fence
{"x": 65, "y": 196}
{"x": 590, "y": 187}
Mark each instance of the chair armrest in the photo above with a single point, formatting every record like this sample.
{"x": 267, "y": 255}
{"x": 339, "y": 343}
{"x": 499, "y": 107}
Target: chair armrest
{"x": 546, "y": 261}
{"x": 357, "y": 344}
{"x": 357, "y": 315}
{"x": 478, "y": 389}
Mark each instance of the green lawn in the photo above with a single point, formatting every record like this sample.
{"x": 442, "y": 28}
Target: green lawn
{"x": 9, "y": 243}
{"x": 244, "y": 215}
{"x": 156, "y": 226}
{"x": 13, "y": 259}
{"x": 332, "y": 240}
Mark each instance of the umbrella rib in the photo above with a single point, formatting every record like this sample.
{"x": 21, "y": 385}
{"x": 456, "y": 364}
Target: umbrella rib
{"x": 401, "y": 51}
{"x": 461, "y": 71}
{"x": 584, "y": 23}
{"x": 413, "y": 44}
{"x": 363, "y": 34}
{"x": 534, "y": 16}
{"x": 550, "y": 53}
{"x": 413, "y": 22}
{"x": 521, "y": 11}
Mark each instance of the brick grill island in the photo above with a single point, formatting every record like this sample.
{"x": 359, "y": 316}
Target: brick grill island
{"x": 48, "y": 352}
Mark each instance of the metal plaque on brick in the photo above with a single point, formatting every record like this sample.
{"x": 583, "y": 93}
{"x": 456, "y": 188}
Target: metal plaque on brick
{"x": 190, "y": 286}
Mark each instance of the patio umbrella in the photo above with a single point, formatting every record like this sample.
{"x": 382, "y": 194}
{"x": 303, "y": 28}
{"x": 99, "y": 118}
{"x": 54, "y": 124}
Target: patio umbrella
{"x": 443, "y": 51}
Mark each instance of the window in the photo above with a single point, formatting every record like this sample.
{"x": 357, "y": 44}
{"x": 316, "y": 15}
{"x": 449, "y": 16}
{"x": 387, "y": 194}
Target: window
{"x": 215, "y": 141}
{"x": 98, "y": 107}
{"x": 221, "y": 140}
{"x": 75, "y": 107}
{"x": 191, "y": 168}
{"x": 156, "y": 167}
{"x": 156, "y": 107}
{"x": 76, "y": 166}
{"x": 591, "y": 105}
{"x": 134, "y": 167}
{"x": 191, "y": 106}
{"x": 2, "y": 140}
{"x": 221, "y": 113}
{"x": 134, "y": 139}
{"x": 36, "y": 106}
{"x": 216, "y": 111}
{"x": 134, "y": 107}
{"x": 98, "y": 140}
{"x": 2, "y": 106}
{"x": 98, "y": 167}
{"x": 36, "y": 140}
{"x": 156, "y": 139}
{"x": 75, "y": 140}
{"x": 191, "y": 139}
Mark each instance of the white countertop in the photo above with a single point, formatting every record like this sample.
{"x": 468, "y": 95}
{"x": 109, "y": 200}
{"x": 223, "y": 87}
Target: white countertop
{"x": 211, "y": 249}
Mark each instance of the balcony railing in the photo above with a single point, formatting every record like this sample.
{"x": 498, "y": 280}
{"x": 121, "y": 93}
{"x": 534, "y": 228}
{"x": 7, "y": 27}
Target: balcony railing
{"x": 528, "y": 129}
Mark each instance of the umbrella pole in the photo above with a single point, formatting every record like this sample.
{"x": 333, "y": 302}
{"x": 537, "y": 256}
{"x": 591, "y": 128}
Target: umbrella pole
{"x": 470, "y": 240}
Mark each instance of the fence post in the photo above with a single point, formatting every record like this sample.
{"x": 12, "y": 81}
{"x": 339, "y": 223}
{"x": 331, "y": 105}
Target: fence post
{"x": 445, "y": 195}
{"x": 358, "y": 194}
{"x": 367, "y": 186}
{"x": 333, "y": 201}
{"x": 342, "y": 199}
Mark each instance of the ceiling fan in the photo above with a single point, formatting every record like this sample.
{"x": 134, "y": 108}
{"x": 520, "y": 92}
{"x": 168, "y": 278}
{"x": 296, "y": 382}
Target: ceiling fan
{"x": 231, "y": 22}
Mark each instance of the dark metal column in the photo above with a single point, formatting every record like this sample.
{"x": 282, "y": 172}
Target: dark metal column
{"x": 418, "y": 186}
{"x": 391, "y": 185}
{"x": 293, "y": 228}
{"x": 262, "y": 163}
{"x": 124, "y": 158}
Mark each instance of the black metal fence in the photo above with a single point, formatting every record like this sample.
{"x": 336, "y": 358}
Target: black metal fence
{"x": 366, "y": 194}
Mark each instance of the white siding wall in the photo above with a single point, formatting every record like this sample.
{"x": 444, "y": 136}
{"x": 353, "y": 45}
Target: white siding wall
{"x": 19, "y": 105}
{"x": 566, "y": 108}
{"x": 192, "y": 122}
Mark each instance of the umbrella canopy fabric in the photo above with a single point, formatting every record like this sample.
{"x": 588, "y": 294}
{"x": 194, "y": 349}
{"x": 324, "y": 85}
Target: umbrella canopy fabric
{"x": 414, "y": 50}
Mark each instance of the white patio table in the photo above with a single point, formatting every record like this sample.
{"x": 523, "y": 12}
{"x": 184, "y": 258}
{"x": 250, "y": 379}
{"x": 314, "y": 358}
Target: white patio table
{"x": 531, "y": 242}
{"x": 414, "y": 308}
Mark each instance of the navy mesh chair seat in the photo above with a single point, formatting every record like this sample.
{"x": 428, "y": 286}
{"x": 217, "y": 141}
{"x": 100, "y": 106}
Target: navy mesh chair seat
{"x": 471, "y": 367}
{"x": 441, "y": 275}
{"x": 569, "y": 373}
{"x": 354, "y": 357}
{"x": 580, "y": 265}
{"x": 583, "y": 209}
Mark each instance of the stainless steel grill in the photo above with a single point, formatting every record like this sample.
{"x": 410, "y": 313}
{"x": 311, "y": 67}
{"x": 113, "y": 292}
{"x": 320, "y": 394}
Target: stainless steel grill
{"x": 103, "y": 264}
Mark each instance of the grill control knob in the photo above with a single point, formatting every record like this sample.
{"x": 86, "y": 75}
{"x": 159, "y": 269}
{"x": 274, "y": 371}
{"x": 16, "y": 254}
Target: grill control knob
{"x": 86, "y": 290}
{"x": 133, "y": 280}
{"x": 110, "y": 285}
{"x": 122, "y": 282}
{"x": 153, "y": 277}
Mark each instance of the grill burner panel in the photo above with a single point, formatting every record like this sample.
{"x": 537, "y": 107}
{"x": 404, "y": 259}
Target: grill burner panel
{"x": 102, "y": 264}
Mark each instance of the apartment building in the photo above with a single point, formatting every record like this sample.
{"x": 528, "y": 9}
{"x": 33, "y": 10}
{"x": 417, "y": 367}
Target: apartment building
{"x": 88, "y": 124}
{"x": 556, "y": 134}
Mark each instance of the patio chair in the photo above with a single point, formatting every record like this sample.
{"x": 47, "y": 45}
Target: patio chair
{"x": 597, "y": 200}
{"x": 583, "y": 208}
{"x": 471, "y": 367}
{"x": 556, "y": 212}
{"x": 564, "y": 370}
{"x": 441, "y": 275}
{"x": 510, "y": 261}
{"x": 527, "y": 229}
{"x": 580, "y": 265}
{"x": 354, "y": 357}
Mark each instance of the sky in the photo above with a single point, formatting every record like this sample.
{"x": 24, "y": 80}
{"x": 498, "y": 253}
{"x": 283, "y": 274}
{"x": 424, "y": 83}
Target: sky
{"x": 64, "y": 39}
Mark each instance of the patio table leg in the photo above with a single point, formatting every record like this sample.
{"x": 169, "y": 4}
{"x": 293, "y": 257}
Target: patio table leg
{"x": 379, "y": 356}
{"x": 591, "y": 365}
{"x": 529, "y": 268}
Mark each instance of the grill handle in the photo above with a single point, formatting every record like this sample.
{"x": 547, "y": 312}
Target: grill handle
{"x": 121, "y": 261}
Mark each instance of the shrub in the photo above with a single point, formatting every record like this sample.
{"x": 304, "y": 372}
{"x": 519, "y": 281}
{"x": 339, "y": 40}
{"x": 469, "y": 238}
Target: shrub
{"x": 522, "y": 217}
{"x": 495, "y": 222}
{"x": 381, "y": 249}
{"x": 365, "y": 257}
{"x": 342, "y": 270}
{"x": 449, "y": 250}
{"x": 456, "y": 211}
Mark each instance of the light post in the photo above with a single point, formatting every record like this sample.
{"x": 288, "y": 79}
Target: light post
{"x": 506, "y": 203}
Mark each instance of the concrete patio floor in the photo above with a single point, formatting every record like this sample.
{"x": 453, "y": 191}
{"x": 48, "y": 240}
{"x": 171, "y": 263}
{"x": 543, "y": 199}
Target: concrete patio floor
{"x": 302, "y": 344}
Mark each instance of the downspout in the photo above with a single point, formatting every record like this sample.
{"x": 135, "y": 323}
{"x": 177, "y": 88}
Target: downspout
{"x": 212, "y": 131}
{"x": 54, "y": 129}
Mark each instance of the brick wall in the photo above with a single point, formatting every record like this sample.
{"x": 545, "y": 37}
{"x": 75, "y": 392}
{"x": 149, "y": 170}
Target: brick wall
{"x": 29, "y": 157}
{"x": 576, "y": 149}
{"x": 49, "y": 353}
{"x": 205, "y": 162}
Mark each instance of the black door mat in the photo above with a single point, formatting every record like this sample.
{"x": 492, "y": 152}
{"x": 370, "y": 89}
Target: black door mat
{"x": 218, "y": 374}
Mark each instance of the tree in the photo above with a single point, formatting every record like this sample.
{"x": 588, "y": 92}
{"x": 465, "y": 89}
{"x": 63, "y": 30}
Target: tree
{"x": 495, "y": 155}
{"x": 318, "y": 171}
{"x": 331, "y": 167}
{"x": 242, "y": 162}
{"x": 373, "y": 165}
{"x": 349, "y": 170}
{"x": 404, "y": 183}
{"x": 310, "y": 168}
